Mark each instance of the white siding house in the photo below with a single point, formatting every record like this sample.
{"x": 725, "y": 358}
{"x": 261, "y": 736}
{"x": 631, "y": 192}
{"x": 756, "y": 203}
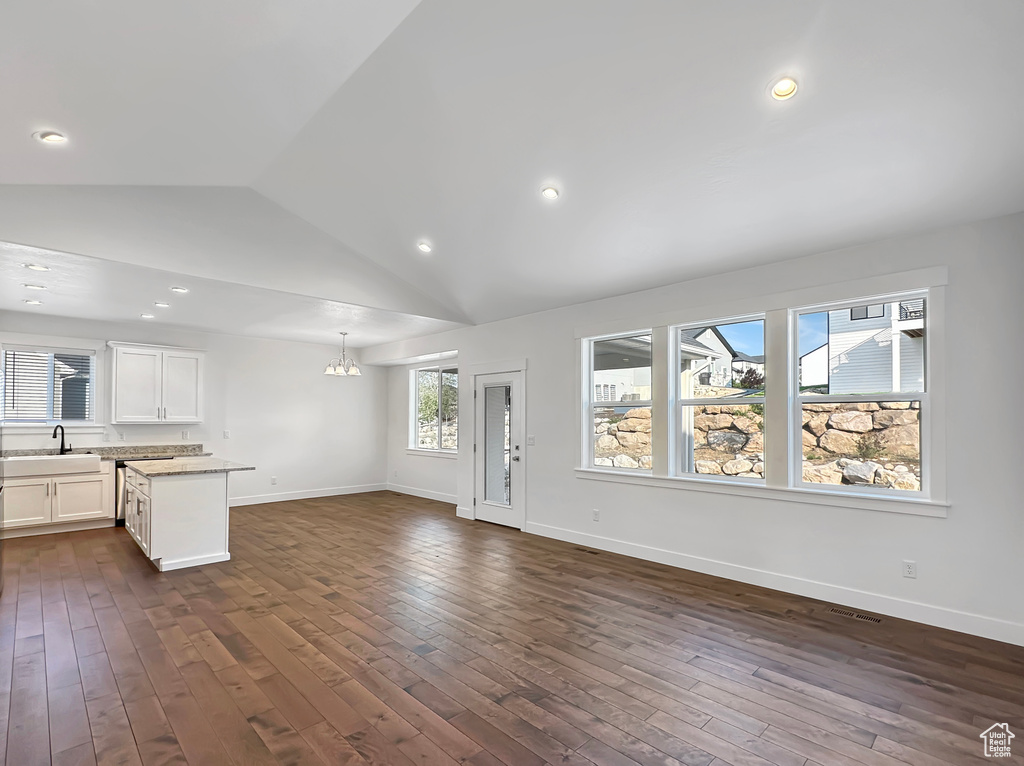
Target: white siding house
{"x": 876, "y": 348}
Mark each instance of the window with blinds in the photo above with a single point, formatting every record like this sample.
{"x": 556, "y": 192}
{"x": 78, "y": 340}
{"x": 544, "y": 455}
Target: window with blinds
{"x": 47, "y": 386}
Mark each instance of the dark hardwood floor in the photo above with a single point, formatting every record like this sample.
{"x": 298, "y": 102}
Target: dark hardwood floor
{"x": 381, "y": 629}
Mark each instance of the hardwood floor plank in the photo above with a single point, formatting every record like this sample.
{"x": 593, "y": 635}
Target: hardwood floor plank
{"x": 381, "y": 629}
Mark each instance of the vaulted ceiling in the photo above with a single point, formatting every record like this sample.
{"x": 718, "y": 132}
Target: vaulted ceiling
{"x": 306, "y": 147}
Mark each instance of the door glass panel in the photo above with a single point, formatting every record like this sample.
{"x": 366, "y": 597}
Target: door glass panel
{"x": 497, "y": 408}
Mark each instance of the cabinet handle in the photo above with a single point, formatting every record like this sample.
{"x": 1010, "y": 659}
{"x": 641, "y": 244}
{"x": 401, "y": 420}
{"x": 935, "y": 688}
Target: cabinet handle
{"x": 165, "y": 413}
{"x": 48, "y": 489}
{"x": 157, "y": 413}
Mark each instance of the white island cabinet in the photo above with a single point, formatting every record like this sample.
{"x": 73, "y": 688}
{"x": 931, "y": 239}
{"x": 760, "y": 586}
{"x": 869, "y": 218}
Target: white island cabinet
{"x": 177, "y": 510}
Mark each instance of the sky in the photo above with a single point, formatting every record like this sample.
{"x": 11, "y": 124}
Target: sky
{"x": 813, "y": 331}
{"x": 745, "y": 337}
{"x": 748, "y": 337}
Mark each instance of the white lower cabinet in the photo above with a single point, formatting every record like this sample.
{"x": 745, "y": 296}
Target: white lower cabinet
{"x": 27, "y": 502}
{"x": 77, "y": 498}
{"x": 42, "y": 500}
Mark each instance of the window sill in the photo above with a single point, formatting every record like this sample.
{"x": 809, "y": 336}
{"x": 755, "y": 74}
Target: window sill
{"x": 830, "y": 498}
{"x": 449, "y": 454}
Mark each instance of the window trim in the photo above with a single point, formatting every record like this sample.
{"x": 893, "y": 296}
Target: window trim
{"x": 45, "y": 347}
{"x": 413, "y": 447}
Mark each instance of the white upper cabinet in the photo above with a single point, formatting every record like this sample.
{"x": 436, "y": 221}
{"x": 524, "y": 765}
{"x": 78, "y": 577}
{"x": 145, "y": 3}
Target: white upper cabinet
{"x": 156, "y": 385}
{"x": 182, "y": 387}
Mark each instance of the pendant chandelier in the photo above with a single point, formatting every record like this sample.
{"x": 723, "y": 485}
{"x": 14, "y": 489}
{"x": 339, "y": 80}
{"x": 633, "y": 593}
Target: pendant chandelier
{"x": 341, "y": 365}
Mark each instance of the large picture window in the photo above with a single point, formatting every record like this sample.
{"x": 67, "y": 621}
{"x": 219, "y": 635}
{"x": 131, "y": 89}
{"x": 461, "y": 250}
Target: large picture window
{"x": 48, "y": 385}
{"x": 619, "y": 422}
{"x": 830, "y": 397}
{"x": 435, "y": 408}
{"x": 720, "y": 399}
{"x": 861, "y": 395}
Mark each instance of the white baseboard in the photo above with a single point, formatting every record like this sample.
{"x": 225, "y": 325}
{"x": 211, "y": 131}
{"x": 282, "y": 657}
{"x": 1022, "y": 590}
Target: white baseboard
{"x": 166, "y": 566}
{"x": 964, "y": 622}
{"x": 443, "y": 497}
{"x": 53, "y": 529}
{"x": 305, "y": 494}
{"x": 467, "y": 513}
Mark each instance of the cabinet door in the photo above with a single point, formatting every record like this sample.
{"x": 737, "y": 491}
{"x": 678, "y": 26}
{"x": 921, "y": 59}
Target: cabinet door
{"x": 26, "y": 502}
{"x": 129, "y": 512}
{"x": 76, "y": 498}
{"x": 182, "y": 387}
{"x": 142, "y": 522}
{"x": 137, "y": 373}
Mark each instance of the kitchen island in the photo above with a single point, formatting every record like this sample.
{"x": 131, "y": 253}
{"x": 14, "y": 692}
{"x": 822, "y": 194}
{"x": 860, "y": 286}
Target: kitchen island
{"x": 177, "y": 509}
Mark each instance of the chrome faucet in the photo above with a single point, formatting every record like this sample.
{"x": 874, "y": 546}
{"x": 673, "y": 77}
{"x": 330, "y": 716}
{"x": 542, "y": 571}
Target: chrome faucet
{"x": 63, "y": 449}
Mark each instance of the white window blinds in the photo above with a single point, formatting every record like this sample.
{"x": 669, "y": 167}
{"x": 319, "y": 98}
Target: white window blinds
{"x": 41, "y": 385}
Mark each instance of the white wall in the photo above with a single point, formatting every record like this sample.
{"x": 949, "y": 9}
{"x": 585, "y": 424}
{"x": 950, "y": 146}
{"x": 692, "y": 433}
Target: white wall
{"x": 415, "y": 472}
{"x": 970, "y": 567}
{"x": 319, "y": 435}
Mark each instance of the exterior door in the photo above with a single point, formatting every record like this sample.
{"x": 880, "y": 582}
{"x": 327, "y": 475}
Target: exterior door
{"x": 500, "y": 457}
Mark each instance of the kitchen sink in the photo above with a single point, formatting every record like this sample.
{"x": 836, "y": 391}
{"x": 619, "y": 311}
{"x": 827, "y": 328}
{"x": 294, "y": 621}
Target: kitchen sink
{"x": 44, "y": 465}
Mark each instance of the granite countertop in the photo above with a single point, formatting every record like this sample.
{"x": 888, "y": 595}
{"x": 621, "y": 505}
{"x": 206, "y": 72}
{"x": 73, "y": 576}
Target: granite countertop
{"x": 119, "y": 452}
{"x": 186, "y": 465}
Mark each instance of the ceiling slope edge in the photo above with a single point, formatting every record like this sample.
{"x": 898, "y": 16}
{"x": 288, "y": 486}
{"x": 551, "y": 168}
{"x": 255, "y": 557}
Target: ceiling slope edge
{"x": 232, "y": 234}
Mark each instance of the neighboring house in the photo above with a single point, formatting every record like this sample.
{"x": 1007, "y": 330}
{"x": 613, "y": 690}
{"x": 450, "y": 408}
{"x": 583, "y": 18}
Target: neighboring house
{"x": 879, "y": 347}
{"x": 706, "y": 355}
{"x": 622, "y": 370}
{"x": 742, "y": 362}
{"x": 814, "y": 367}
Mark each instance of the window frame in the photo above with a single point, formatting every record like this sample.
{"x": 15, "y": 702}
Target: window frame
{"x": 867, "y": 312}
{"x": 414, "y": 408}
{"x": 589, "y": 400}
{"x": 681, "y": 445}
{"x": 797, "y": 400}
{"x": 52, "y": 351}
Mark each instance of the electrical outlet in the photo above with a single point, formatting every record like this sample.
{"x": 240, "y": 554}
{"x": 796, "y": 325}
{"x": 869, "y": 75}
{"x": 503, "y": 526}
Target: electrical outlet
{"x": 396, "y": 473}
{"x": 597, "y": 515}
{"x": 910, "y": 569}
{"x": 531, "y": 440}
{"x": 273, "y": 480}
{"x": 184, "y": 434}
{"x": 106, "y": 436}
{"x": 120, "y": 436}
{"x": 227, "y": 434}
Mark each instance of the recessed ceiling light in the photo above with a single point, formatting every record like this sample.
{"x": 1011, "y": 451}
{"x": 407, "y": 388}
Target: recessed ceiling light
{"x": 147, "y": 316}
{"x": 549, "y": 192}
{"x": 34, "y": 287}
{"x": 179, "y": 289}
{"x": 36, "y": 266}
{"x": 784, "y": 88}
{"x": 32, "y": 303}
{"x": 424, "y": 246}
{"x": 161, "y": 305}
{"x": 50, "y": 137}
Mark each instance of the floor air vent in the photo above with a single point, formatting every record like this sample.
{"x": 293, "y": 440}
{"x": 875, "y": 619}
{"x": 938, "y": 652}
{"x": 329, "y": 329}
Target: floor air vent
{"x": 854, "y": 615}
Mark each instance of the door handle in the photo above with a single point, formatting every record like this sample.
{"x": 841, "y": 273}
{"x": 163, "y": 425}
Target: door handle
{"x": 515, "y": 458}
